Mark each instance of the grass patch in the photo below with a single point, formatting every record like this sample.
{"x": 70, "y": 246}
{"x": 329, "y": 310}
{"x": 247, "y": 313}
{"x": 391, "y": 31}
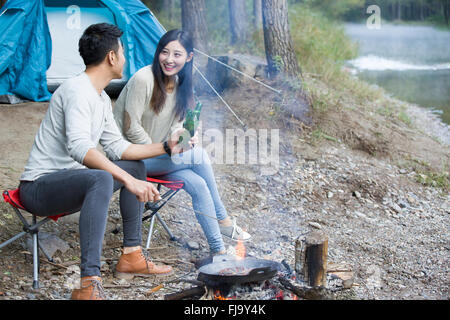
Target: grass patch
{"x": 434, "y": 179}
{"x": 318, "y": 135}
{"x": 321, "y": 44}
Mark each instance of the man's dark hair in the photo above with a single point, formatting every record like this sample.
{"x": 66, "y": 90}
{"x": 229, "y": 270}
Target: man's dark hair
{"x": 97, "y": 40}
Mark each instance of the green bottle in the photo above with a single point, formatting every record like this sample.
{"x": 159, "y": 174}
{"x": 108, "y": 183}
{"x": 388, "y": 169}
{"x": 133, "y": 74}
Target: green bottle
{"x": 191, "y": 122}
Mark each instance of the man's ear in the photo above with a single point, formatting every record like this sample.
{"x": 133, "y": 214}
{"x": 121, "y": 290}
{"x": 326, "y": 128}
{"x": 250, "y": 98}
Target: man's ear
{"x": 111, "y": 57}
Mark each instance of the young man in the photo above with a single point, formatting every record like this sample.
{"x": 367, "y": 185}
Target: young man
{"x": 66, "y": 173}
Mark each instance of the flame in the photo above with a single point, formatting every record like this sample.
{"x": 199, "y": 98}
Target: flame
{"x": 240, "y": 250}
{"x": 218, "y": 296}
{"x": 279, "y": 295}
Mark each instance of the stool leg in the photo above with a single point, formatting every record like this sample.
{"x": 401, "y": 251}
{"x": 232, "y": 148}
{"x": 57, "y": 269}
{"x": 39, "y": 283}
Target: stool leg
{"x": 45, "y": 253}
{"x": 150, "y": 232}
{"x": 172, "y": 237}
{"x": 35, "y": 258}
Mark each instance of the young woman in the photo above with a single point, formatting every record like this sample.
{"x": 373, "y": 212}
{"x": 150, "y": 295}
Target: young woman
{"x": 151, "y": 106}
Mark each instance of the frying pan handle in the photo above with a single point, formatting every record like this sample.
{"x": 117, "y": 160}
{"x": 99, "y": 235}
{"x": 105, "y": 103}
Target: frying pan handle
{"x": 259, "y": 271}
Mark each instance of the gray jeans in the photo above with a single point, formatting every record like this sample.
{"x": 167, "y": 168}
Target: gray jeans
{"x": 88, "y": 191}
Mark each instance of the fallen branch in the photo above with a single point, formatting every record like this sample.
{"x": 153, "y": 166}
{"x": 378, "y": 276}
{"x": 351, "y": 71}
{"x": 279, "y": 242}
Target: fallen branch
{"x": 46, "y": 261}
{"x": 153, "y": 290}
{"x": 116, "y": 286}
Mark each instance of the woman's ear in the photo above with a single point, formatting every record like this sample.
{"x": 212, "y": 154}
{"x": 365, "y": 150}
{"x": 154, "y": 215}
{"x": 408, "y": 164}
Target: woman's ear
{"x": 191, "y": 55}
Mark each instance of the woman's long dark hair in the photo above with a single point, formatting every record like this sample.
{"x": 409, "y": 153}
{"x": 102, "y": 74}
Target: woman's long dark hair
{"x": 185, "y": 92}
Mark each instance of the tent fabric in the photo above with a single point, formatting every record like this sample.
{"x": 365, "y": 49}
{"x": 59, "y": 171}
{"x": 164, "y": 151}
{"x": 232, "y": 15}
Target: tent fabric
{"x": 27, "y": 41}
{"x": 25, "y": 50}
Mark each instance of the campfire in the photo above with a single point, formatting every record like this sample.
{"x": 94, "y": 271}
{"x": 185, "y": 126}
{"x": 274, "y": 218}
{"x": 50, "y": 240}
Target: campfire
{"x": 230, "y": 277}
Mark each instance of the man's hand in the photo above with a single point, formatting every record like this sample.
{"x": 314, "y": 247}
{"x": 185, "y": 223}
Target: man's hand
{"x": 144, "y": 191}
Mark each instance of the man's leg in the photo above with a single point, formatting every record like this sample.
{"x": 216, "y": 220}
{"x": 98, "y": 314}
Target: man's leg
{"x": 130, "y": 207}
{"x": 133, "y": 262}
{"x": 88, "y": 191}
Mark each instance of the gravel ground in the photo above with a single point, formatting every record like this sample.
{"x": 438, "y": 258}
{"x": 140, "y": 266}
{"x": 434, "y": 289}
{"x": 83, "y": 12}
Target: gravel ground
{"x": 388, "y": 229}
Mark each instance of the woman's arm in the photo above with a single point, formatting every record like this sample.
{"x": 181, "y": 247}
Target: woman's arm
{"x": 139, "y": 91}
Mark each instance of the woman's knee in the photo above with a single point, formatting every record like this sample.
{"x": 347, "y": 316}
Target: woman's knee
{"x": 196, "y": 186}
{"x": 200, "y": 156}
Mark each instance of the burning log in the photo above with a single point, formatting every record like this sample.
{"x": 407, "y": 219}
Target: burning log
{"x": 184, "y": 294}
{"x": 311, "y": 258}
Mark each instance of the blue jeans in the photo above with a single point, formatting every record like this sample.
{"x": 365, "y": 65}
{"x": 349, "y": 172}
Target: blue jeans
{"x": 193, "y": 167}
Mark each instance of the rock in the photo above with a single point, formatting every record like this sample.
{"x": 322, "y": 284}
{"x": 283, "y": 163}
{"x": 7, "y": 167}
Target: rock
{"x": 73, "y": 269}
{"x": 192, "y": 245}
{"x": 31, "y": 296}
{"x": 330, "y": 195}
{"x": 402, "y": 204}
{"x": 104, "y": 266}
{"x": 360, "y": 214}
{"x": 222, "y": 77}
{"x": 347, "y": 284}
{"x": 50, "y": 242}
{"x": 315, "y": 225}
{"x": 71, "y": 218}
{"x": 357, "y": 194}
{"x": 396, "y": 208}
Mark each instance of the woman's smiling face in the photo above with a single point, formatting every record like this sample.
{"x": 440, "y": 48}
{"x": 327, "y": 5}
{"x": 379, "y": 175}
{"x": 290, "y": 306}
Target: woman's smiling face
{"x": 173, "y": 58}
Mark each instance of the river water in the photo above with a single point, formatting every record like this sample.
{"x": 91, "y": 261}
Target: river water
{"x": 410, "y": 62}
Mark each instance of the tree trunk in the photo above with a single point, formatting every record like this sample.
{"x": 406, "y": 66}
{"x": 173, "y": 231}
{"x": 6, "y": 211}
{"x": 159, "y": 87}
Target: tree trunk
{"x": 193, "y": 20}
{"x": 169, "y": 8}
{"x": 445, "y": 10}
{"x": 238, "y": 21}
{"x": 257, "y": 14}
{"x": 277, "y": 38}
{"x": 399, "y": 10}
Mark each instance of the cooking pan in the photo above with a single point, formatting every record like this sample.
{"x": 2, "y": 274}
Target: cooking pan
{"x": 226, "y": 269}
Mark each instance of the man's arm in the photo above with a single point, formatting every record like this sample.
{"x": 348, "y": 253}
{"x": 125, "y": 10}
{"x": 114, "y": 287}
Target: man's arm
{"x": 143, "y": 190}
{"x": 144, "y": 151}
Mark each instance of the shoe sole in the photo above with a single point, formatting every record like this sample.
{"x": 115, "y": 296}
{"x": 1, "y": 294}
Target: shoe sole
{"x": 130, "y": 276}
{"x": 228, "y": 237}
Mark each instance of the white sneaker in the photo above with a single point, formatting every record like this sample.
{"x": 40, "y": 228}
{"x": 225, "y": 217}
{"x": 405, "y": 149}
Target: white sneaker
{"x": 234, "y": 232}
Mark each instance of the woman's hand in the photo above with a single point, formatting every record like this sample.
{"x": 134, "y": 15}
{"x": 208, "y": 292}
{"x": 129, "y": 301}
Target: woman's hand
{"x": 194, "y": 140}
{"x": 176, "y": 147}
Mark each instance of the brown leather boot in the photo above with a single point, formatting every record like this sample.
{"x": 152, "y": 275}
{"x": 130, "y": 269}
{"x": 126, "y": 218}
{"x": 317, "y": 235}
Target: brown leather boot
{"x": 136, "y": 264}
{"x": 91, "y": 289}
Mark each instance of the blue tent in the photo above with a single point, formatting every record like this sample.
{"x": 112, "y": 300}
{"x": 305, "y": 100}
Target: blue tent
{"x": 39, "y": 42}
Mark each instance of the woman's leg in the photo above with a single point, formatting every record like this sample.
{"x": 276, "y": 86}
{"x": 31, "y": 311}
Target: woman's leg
{"x": 198, "y": 161}
{"x": 88, "y": 191}
{"x": 202, "y": 166}
{"x": 203, "y": 205}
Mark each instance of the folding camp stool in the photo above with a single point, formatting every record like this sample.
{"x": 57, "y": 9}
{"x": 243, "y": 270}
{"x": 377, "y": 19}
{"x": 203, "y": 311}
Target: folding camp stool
{"x": 173, "y": 188}
{"x": 12, "y": 197}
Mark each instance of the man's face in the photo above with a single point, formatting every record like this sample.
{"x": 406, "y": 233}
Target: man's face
{"x": 118, "y": 62}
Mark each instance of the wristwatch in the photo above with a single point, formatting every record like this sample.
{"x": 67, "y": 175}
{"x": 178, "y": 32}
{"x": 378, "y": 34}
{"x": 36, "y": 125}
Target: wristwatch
{"x": 167, "y": 148}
